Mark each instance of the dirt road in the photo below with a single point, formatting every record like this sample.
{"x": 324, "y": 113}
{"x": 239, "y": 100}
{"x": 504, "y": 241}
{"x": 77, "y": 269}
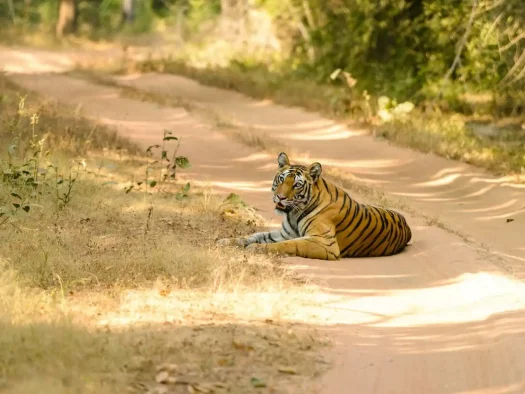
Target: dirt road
{"x": 445, "y": 316}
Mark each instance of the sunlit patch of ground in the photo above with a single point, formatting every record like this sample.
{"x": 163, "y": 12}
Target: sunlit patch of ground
{"x": 98, "y": 293}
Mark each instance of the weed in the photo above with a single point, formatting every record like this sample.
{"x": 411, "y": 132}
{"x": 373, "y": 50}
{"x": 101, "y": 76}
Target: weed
{"x": 167, "y": 168}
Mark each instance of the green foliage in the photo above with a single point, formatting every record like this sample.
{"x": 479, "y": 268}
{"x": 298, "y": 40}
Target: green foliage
{"x": 405, "y": 49}
{"x": 235, "y": 200}
{"x": 27, "y": 175}
{"x": 167, "y": 168}
{"x": 201, "y": 11}
{"x": 96, "y": 18}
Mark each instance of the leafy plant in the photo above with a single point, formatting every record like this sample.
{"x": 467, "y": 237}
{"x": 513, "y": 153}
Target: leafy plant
{"x": 184, "y": 192}
{"x": 63, "y": 186}
{"x": 389, "y": 110}
{"x": 167, "y": 168}
{"x": 19, "y": 174}
{"x": 27, "y": 172}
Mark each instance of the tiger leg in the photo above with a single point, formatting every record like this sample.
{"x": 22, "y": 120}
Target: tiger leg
{"x": 266, "y": 237}
{"x": 312, "y": 246}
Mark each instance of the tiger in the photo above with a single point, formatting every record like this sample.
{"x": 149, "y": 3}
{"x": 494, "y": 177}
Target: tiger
{"x": 321, "y": 221}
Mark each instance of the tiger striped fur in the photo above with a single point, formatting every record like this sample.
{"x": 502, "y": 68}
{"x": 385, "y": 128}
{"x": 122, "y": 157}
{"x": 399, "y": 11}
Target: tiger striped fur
{"x": 321, "y": 221}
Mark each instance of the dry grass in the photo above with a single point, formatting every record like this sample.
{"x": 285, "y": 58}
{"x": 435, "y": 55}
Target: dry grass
{"x": 63, "y": 130}
{"x": 263, "y": 142}
{"x": 260, "y": 83}
{"x": 53, "y": 347}
{"x": 258, "y": 140}
{"x": 97, "y": 292}
{"x": 496, "y": 146}
{"x": 444, "y": 133}
{"x": 44, "y": 37}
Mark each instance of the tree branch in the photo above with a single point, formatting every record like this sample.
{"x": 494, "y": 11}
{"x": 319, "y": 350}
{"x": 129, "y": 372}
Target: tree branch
{"x": 462, "y": 43}
{"x": 512, "y": 42}
{"x": 515, "y": 68}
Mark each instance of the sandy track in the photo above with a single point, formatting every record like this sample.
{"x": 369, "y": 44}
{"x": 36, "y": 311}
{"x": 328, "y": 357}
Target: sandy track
{"x": 467, "y": 199}
{"x": 439, "y": 318}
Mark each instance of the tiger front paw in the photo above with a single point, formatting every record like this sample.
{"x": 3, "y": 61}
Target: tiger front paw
{"x": 231, "y": 242}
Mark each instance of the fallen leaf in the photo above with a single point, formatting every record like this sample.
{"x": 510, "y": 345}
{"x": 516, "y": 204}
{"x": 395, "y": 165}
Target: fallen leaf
{"x": 257, "y": 382}
{"x": 162, "y": 377}
{"x": 287, "y": 370}
{"x": 201, "y": 388}
{"x": 222, "y": 362}
{"x": 241, "y": 346}
{"x": 164, "y": 292}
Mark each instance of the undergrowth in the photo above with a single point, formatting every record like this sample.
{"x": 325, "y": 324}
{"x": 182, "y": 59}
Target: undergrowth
{"x": 498, "y": 149}
{"x": 477, "y": 136}
{"x": 101, "y": 283}
{"x": 68, "y": 184}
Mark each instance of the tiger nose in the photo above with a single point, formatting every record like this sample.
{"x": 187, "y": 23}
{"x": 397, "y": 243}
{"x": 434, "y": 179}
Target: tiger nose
{"x": 280, "y": 196}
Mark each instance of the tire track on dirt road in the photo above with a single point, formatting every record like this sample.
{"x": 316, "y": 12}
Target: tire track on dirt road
{"x": 437, "y": 318}
{"x": 465, "y": 198}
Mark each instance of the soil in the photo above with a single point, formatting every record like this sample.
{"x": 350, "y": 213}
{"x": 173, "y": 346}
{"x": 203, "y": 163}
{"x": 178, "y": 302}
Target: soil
{"x": 445, "y": 316}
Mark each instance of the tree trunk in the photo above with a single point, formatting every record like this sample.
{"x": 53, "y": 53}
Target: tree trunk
{"x": 179, "y": 22}
{"x": 67, "y": 18}
{"x": 128, "y": 12}
{"x": 234, "y": 15}
{"x": 11, "y": 10}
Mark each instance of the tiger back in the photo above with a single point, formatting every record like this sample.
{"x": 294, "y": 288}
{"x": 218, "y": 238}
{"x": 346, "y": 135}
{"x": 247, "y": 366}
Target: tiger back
{"x": 369, "y": 231}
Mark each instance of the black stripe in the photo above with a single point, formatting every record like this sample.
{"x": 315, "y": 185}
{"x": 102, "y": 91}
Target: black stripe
{"x": 364, "y": 233}
{"x": 391, "y": 239}
{"x": 327, "y": 189}
{"x": 379, "y": 224}
{"x": 285, "y": 230}
{"x": 309, "y": 209}
{"x": 315, "y": 216}
{"x": 354, "y": 217}
{"x": 307, "y": 225}
{"x": 374, "y": 245}
{"x": 365, "y": 214}
{"x": 348, "y": 209}
{"x": 322, "y": 235}
{"x": 345, "y": 197}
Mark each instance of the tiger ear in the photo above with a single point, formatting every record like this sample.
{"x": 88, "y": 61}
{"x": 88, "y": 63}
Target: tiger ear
{"x": 315, "y": 171}
{"x": 282, "y": 160}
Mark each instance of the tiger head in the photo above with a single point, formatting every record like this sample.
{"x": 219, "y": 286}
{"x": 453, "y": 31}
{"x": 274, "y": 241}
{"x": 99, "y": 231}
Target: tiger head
{"x": 293, "y": 184}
